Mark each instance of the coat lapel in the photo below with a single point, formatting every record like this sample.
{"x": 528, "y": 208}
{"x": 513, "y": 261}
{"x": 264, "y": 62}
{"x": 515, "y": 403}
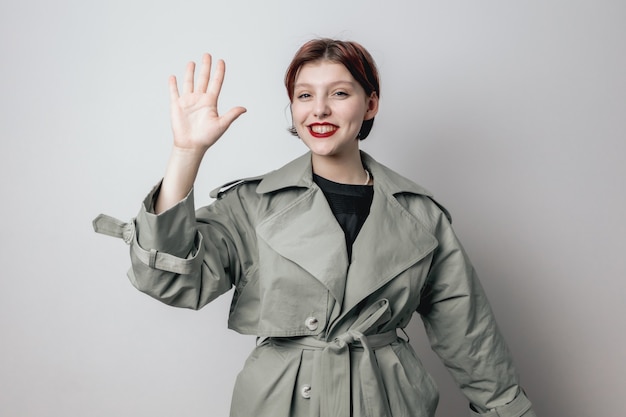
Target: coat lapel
{"x": 390, "y": 241}
{"x": 305, "y": 231}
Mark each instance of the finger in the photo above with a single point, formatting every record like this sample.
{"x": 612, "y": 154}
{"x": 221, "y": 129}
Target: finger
{"x": 173, "y": 88}
{"x": 215, "y": 83}
{"x": 188, "y": 84}
{"x": 232, "y": 115}
{"x": 205, "y": 74}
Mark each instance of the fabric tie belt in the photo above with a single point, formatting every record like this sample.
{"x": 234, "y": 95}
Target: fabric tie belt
{"x": 331, "y": 372}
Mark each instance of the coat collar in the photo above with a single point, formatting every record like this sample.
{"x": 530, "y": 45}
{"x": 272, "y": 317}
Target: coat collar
{"x": 306, "y": 232}
{"x": 298, "y": 173}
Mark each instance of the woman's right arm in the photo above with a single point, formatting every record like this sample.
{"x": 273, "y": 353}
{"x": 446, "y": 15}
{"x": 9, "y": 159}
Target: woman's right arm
{"x": 196, "y": 126}
{"x": 197, "y": 264}
{"x": 174, "y": 258}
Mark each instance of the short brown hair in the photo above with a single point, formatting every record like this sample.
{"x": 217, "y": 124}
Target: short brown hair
{"x": 351, "y": 54}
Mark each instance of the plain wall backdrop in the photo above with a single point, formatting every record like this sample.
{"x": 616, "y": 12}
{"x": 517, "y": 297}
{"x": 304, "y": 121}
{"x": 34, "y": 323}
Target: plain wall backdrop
{"x": 512, "y": 113}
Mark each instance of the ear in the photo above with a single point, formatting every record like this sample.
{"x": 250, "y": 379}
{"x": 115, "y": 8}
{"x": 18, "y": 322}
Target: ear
{"x": 372, "y": 106}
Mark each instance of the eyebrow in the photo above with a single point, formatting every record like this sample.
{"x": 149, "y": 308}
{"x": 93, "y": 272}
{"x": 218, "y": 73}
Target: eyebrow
{"x": 334, "y": 83}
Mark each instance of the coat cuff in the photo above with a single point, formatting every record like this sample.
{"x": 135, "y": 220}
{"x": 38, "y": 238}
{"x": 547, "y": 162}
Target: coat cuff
{"x": 173, "y": 231}
{"x": 167, "y": 262}
{"x": 519, "y": 407}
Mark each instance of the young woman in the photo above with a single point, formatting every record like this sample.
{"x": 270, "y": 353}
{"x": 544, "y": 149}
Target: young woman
{"x": 329, "y": 257}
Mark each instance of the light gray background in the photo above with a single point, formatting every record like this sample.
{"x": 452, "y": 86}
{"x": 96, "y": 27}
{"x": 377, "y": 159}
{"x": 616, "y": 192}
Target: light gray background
{"x": 511, "y": 112}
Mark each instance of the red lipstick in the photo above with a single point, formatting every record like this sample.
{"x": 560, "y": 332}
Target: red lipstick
{"x": 322, "y": 130}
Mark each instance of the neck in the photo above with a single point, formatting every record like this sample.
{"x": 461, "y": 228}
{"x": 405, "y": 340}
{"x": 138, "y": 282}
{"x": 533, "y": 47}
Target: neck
{"x": 342, "y": 170}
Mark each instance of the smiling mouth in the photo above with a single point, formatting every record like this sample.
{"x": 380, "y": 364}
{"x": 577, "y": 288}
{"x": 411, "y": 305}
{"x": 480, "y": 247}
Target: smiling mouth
{"x": 322, "y": 131}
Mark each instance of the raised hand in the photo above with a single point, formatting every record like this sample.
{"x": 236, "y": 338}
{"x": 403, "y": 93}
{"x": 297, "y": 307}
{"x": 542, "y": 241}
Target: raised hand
{"x": 196, "y": 122}
{"x": 196, "y": 125}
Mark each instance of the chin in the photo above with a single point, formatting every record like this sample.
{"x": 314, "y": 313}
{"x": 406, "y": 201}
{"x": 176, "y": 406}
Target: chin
{"x": 322, "y": 151}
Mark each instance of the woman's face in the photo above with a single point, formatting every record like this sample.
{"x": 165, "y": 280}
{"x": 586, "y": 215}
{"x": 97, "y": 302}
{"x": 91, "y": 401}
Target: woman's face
{"x": 328, "y": 108}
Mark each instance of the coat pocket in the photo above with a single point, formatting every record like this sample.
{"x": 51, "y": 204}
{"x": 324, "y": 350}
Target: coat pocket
{"x": 411, "y": 390}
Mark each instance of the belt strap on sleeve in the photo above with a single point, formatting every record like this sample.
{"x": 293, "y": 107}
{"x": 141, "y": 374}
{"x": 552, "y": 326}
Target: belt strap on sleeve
{"x": 111, "y": 226}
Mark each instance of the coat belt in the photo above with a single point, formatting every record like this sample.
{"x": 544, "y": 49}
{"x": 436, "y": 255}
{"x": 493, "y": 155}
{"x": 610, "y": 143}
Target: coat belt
{"x": 331, "y": 372}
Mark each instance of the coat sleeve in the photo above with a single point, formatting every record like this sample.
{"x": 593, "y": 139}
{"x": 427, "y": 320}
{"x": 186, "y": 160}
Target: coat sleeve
{"x": 180, "y": 259}
{"x": 464, "y": 334}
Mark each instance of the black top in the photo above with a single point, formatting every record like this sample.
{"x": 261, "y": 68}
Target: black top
{"x": 349, "y": 203}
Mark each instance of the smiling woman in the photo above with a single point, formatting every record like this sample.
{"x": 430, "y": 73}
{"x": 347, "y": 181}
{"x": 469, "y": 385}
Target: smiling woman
{"x": 328, "y": 110}
{"x": 329, "y": 257}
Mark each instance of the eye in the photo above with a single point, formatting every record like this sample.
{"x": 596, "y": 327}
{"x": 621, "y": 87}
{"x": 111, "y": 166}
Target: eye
{"x": 341, "y": 94}
{"x": 304, "y": 96}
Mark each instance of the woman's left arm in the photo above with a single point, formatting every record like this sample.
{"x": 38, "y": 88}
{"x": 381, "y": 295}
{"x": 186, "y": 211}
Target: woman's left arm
{"x": 463, "y": 332}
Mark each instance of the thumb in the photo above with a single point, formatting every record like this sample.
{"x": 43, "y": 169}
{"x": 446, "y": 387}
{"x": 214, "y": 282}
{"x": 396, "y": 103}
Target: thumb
{"x": 232, "y": 115}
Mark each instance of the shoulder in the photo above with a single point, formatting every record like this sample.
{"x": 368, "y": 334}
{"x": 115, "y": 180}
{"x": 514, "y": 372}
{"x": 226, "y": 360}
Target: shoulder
{"x": 295, "y": 174}
{"x": 411, "y": 195}
{"x": 221, "y": 191}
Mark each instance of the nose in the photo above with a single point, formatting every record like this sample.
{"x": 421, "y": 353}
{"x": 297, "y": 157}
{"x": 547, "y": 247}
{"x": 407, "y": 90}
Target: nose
{"x": 321, "y": 109}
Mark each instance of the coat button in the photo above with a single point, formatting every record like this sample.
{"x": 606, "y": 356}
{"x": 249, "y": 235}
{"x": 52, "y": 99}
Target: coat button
{"x": 311, "y": 323}
{"x": 305, "y": 391}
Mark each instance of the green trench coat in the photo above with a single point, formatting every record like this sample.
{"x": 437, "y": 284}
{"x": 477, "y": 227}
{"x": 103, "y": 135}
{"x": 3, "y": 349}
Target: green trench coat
{"x": 328, "y": 327}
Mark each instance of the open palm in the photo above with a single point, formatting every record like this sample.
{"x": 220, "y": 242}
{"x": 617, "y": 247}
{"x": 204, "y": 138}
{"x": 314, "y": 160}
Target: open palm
{"x": 196, "y": 122}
